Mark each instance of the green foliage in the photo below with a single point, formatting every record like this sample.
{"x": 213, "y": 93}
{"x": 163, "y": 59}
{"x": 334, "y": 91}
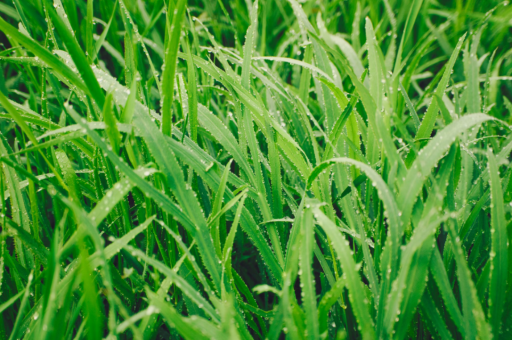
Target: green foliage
{"x": 255, "y": 169}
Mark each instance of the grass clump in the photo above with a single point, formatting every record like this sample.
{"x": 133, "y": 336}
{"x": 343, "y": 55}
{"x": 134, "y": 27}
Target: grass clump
{"x": 255, "y": 170}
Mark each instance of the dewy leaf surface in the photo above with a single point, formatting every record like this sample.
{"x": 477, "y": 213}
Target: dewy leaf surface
{"x": 255, "y": 169}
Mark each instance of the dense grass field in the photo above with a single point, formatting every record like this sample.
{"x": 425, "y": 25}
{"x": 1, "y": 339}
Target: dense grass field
{"x": 272, "y": 169}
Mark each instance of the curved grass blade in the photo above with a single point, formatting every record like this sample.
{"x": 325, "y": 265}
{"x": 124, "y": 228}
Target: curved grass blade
{"x": 173, "y": 31}
{"x": 78, "y": 56}
{"x": 57, "y": 65}
{"x": 178, "y": 281}
{"x": 111, "y": 124}
{"x": 190, "y": 329}
{"x": 192, "y": 155}
{"x": 430, "y": 155}
{"x": 443, "y": 283}
{"x": 328, "y": 300}
{"x": 27, "y": 239}
{"x": 228, "y": 245}
{"x": 169, "y": 166}
{"x": 385, "y": 194}
{"x": 216, "y": 208}
{"x": 499, "y": 252}
{"x": 221, "y": 133}
{"x": 427, "y": 124}
{"x": 353, "y": 281}
{"x": 307, "y": 277}
{"x": 430, "y": 311}
{"x": 22, "y": 307}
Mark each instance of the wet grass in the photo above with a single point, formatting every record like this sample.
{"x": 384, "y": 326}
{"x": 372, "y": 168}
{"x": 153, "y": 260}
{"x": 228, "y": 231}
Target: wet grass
{"x": 255, "y": 170}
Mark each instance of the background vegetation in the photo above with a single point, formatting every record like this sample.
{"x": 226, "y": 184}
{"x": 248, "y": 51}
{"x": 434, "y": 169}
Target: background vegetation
{"x": 255, "y": 170}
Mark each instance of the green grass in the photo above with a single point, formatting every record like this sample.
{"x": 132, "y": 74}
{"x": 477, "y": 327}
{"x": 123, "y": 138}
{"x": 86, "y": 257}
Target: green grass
{"x": 228, "y": 169}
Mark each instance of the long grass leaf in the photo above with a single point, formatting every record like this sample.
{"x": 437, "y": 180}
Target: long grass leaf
{"x": 499, "y": 251}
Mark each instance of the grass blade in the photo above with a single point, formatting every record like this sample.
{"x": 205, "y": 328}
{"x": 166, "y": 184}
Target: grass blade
{"x": 173, "y": 30}
{"x": 499, "y": 251}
